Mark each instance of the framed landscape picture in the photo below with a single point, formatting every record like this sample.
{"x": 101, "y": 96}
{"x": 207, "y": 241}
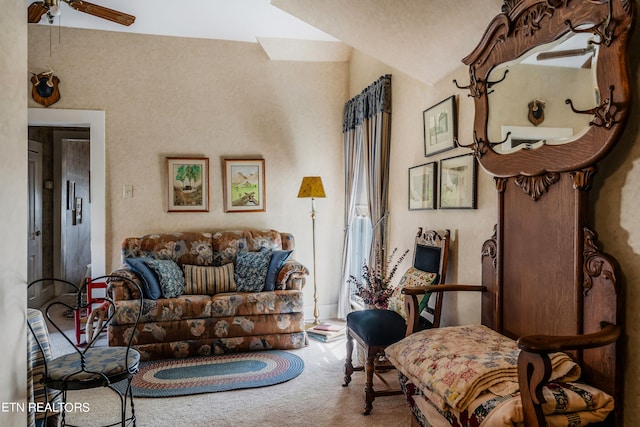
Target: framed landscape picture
{"x": 422, "y": 186}
{"x": 244, "y": 185}
{"x": 440, "y": 127}
{"x": 458, "y": 182}
{"x": 187, "y": 184}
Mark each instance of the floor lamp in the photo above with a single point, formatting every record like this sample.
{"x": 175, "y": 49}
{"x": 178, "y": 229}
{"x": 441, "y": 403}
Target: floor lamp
{"x": 311, "y": 186}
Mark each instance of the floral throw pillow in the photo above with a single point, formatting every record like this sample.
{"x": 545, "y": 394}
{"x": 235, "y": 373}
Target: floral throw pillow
{"x": 170, "y": 276}
{"x": 251, "y": 269}
{"x": 411, "y": 278}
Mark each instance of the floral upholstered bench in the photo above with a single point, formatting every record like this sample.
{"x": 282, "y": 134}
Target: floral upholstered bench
{"x": 467, "y": 375}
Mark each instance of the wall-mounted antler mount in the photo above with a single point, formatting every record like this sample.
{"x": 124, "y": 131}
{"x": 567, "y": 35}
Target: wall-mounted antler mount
{"x": 44, "y": 89}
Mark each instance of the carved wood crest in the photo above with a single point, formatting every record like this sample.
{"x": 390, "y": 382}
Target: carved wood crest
{"x": 596, "y": 263}
{"x": 490, "y": 247}
{"x": 536, "y": 186}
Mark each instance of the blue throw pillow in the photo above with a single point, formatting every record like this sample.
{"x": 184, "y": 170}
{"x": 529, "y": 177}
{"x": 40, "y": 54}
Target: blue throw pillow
{"x": 150, "y": 283}
{"x": 251, "y": 269}
{"x": 170, "y": 275}
{"x": 278, "y": 259}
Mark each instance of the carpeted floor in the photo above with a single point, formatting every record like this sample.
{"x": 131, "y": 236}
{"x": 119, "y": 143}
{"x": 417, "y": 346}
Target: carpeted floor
{"x": 315, "y": 398}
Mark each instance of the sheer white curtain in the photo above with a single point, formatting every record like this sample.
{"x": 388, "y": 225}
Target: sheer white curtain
{"x": 367, "y": 137}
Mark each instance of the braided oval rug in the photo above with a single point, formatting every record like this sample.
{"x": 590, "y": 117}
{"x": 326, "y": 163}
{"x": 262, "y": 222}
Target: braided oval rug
{"x": 196, "y": 375}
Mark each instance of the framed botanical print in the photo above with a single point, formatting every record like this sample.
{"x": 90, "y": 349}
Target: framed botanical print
{"x": 422, "y": 186}
{"x": 458, "y": 182}
{"x": 244, "y": 185}
{"x": 187, "y": 184}
{"x": 440, "y": 127}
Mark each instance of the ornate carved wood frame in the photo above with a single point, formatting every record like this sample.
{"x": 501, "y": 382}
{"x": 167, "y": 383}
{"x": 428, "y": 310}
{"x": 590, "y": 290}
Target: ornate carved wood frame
{"x": 525, "y": 24}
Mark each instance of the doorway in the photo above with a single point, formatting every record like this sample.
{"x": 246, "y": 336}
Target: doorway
{"x": 95, "y": 122}
{"x": 59, "y": 238}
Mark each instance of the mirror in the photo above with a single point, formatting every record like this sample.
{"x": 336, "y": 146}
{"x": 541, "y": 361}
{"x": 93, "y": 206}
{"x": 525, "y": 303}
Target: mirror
{"x": 528, "y": 110}
{"x": 585, "y": 107}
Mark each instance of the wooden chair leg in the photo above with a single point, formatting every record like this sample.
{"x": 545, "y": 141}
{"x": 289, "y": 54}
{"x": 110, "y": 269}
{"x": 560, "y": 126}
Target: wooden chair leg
{"x": 369, "y": 370}
{"x": 348, "y": 365}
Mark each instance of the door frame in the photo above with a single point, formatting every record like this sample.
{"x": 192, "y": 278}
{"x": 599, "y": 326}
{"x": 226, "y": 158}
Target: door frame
{"x": 40, "y": 293}
{"x": 95, "y": 121}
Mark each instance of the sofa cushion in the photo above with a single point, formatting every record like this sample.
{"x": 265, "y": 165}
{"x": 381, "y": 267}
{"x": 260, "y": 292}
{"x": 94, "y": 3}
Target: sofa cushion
{"x": 216, "y": 327}
{"x": 182, "y": 247}
{"x": 201, "y": 280}
{"x": 163, "y": 310}
{"x": 251, "y": 270}
{"x": 227, "y": 244}
{"x": 150, "y": 283}
{"x": 245, "y": 304}
{"x": 170, "y": 275}
{"x": 278, "y": 259}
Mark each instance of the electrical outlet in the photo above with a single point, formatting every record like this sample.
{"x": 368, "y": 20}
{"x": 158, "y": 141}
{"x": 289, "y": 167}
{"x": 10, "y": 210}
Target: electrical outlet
{"x": 127, "y": 191}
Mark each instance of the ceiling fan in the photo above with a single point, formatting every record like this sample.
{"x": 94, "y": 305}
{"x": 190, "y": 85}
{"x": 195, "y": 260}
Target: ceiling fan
{"x": 565, "y": 53}
{"x": 568, "y": 53}
{"x": 51, "y": 9}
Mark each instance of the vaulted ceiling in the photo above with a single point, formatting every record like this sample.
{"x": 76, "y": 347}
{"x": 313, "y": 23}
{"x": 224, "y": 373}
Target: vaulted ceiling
{"x": 425, "y": 39}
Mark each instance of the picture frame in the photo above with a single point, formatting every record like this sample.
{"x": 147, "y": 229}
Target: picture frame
{"x": 187, "y": 184}
{"x": 423, "y": 186}
{"x": 458, "y": 182}
{"x": 244, "y": 185}
{"x": 440, "y": 125}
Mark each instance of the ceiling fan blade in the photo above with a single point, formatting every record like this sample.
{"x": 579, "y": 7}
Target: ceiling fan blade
{"x": 101, "y": 12}
{"x": 35, "y": 12}
{"x": 564, "y": 53}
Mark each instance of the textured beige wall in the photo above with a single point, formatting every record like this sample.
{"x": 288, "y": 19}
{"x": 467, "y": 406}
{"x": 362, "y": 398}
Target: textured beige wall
{"x": 13, "y": 215}
{"x": 615, "y": 199}
{"x": 469, "y": 228}
{"x": 167, "y": 96}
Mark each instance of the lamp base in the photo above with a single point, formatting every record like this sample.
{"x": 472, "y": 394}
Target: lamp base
{"x": 311, "y": 324}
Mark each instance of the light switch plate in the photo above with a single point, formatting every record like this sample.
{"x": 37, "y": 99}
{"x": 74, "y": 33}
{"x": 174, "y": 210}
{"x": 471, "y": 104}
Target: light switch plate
{"x": 127, "y": 191}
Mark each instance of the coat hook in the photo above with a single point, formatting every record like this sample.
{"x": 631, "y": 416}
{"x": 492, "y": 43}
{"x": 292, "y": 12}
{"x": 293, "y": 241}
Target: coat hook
{"x": 604, "y": 113}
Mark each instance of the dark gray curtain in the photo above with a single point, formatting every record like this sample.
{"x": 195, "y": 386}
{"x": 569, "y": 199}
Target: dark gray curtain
{"x": 367, "y": 139}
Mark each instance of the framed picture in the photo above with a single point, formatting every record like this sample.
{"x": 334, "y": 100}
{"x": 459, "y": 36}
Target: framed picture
{"x": 187, "y": 184}
{"x": 458, "y": 182}
{"x": 440, "y": 127}
{"x": 422, "y": 186}
{"x": 244, "y": 185}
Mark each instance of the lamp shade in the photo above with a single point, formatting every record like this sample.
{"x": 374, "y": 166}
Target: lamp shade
{"x": 311, "y": 186}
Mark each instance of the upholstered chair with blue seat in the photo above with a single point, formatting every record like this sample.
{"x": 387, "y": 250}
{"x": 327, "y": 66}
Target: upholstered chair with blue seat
{"x": 375, "y": 329}
{"x": 89, "y": 366}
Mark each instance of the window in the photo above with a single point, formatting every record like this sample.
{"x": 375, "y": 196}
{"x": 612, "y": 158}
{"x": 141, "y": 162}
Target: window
{"x": 360, "y": 235}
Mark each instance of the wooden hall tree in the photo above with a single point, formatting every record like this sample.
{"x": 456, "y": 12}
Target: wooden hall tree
{"x": 543, "y": 267}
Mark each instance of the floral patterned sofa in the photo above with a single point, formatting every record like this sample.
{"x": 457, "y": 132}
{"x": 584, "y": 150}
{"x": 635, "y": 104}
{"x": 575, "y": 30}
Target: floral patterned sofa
{"x": 216, "y": 292}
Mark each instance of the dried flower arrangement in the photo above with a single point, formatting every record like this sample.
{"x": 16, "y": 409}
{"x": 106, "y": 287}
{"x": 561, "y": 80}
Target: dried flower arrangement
{"x": 375, "y": 287}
